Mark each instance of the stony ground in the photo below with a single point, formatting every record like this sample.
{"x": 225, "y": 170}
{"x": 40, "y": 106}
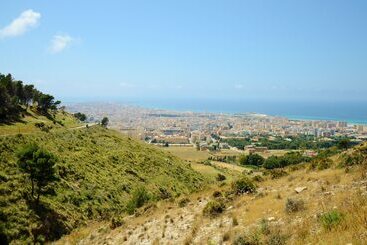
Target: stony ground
{"x": 167, "y": 223}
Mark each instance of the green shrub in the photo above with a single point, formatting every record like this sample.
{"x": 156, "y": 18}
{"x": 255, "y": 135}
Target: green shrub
{"x": 294, "y": 205}
{"x": 140, "y": 196}
{"x": 252, "y": 159}
{"x": 214, "y": 208}
{"x": 243, "y": 185}
{"x": 331, "y": 219}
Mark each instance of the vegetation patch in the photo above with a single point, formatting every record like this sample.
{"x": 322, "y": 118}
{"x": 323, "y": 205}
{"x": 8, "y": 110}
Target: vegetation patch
{"x": 93, "y": 169}
{"x": 214, "y": 208}
{"x": 294, "y": 205}
{"x": 331, "y": 219}
{"x": 243, "y": 185}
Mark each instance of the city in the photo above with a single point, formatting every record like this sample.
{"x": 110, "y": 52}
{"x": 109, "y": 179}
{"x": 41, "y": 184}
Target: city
{"x": 211, "y": 131}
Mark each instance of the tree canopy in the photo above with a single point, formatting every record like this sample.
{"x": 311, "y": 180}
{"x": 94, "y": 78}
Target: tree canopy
{"x": 16, "y": 97}
{"x": 39, "y": 165}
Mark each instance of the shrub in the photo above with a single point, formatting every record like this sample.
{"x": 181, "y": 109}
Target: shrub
{"x": 331, "y": 219}
{"x": 321, "y": 163}
{"x": 140, "y": 196}
{"x": 291, "y": 158}
{"x": 221, "y": 177}
{"x": 258, "y": 178}
{"x": 217, "y": 194}
{"x": 277, "y": 173}
{"x": 294, "y": 205}
{"x": 356, "y": 158}
{"x": 276, "y": 238}
{"x": 264, "y": 227}
{"x": 183, "y": 202}
{"x": 243, "y": 185}
{"x": 116, "y": 222}
{"x": 214, "y": 208}
{"x": 252, "y": 159}
{"x": 246, "y": 240}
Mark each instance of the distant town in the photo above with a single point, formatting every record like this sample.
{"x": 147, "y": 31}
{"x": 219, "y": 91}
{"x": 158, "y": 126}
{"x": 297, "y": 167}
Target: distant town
{"x": 213, "y": 131}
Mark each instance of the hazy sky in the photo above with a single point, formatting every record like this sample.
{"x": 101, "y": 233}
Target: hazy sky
{"x": 273, "y": 50}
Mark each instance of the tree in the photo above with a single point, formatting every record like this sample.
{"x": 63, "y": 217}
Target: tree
{"x": 104, "y": 122}
{"x": 80, "y": 116}
{"x": 343, "y": 144}
{"x": 28, "y": 94}
{"x": 252, "y": 159}
{"x": 39, "y": 165}
{"x": 45, "y": 102}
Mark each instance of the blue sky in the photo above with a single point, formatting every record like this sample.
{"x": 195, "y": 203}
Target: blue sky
{"x": 261, "y": 50}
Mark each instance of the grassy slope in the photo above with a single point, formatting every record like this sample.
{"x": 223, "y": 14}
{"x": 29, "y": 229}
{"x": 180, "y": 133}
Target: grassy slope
{"x": 98, "y": 169}
{"x": 260, "y": 218}
{"x": 26, "y": 125}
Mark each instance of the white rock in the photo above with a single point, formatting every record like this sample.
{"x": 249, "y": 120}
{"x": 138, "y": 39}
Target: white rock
{"x": 300, "y": 189}
{"x": 271, "y": 218}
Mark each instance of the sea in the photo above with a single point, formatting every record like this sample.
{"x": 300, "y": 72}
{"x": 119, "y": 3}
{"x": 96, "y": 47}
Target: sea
{"x": 350, "y": 111}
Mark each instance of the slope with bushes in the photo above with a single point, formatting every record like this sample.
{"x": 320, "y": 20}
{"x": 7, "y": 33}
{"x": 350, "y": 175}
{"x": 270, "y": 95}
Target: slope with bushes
{"x": 98, "y": 171}
{"x": 309, "y": 203}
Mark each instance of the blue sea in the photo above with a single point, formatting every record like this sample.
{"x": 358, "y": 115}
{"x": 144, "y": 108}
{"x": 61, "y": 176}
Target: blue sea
{"x": 351, "y": 112}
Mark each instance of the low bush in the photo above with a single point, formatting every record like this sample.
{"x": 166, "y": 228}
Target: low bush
{"x": 331, "y": 219}
{"x": 214, "y": 208}
{"x": 183, "y": 202}
{"x": 276, "y": 238}
{"x": 321, "y": 163}
{"x": 116, "y": 222}
{"x": 221, "y": 177}
{"x": 258, "y": 178}
{"x": 357, "y": 158}
{"x": 217, "y": 194}
{"x": 140, "y": 196}
{"x": 243, "y": 185}
{"x": 277, "y": 173}
{"x": 294, "y": 205}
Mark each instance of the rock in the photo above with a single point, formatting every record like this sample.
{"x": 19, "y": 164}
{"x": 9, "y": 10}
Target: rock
{"x": 300, "y": 189}
{"x": 271, "y": 218}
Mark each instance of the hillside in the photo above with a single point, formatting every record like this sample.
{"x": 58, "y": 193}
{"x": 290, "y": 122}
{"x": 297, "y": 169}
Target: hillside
{"x": 98, "y": 169}
{"x": 31, "y": 117}
{"x": 299, "y": 204}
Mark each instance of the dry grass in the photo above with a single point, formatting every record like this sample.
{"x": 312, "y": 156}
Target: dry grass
{"x": 188, "y": 153}
{"x": 263, "y": 218}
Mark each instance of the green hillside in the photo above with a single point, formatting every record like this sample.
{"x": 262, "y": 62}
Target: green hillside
{"x": 31, "y": 117}
{"x": 98, "y": 170}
